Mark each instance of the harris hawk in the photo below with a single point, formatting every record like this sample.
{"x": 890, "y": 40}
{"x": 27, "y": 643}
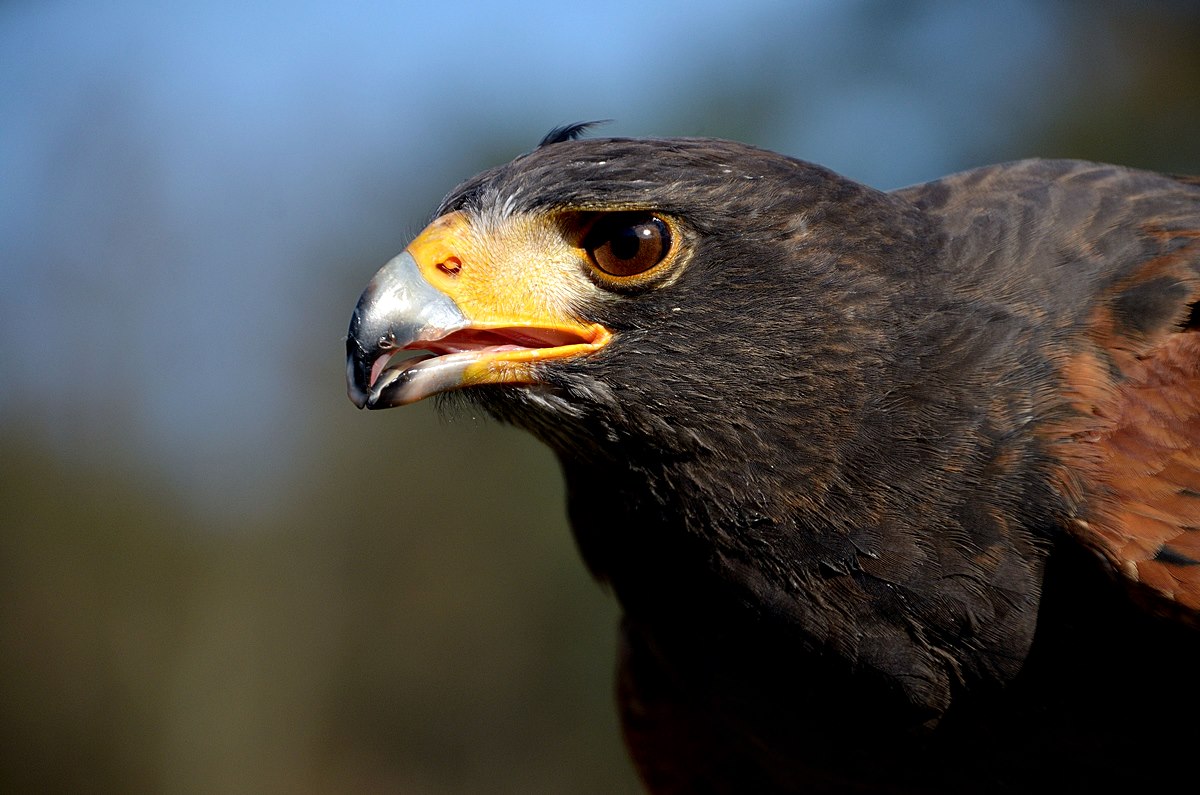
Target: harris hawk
{"x": 898, "y": 491}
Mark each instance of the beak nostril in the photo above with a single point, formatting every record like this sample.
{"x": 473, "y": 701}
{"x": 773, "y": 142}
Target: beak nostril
{"x": 450, "y": 266}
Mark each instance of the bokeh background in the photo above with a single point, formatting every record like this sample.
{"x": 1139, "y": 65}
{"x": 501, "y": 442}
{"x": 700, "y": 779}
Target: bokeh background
{"x": 215, "y": 574}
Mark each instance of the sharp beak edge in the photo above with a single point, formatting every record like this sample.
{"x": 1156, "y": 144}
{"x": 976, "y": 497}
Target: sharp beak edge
{"x": 397, "y": 309}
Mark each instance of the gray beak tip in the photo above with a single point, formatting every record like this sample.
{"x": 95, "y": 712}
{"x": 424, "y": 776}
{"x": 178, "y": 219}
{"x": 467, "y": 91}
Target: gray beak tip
{"x": 397, "y": 308}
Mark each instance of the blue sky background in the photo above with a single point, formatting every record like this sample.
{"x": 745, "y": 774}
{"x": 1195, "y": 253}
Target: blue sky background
{"x": 193, "y": 192}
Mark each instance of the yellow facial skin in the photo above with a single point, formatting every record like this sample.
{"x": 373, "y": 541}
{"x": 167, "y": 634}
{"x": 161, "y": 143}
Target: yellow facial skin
{"x": 492, "y": 294}
{"x": 487, "y": 274}
{"x": 489, "y": 298}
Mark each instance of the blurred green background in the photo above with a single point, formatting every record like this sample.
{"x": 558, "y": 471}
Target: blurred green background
{"x": 215, "y": 574}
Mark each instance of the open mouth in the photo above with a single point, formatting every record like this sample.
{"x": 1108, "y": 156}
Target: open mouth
{"x": 471, "y": 356}
{"x": 409, "y": 339}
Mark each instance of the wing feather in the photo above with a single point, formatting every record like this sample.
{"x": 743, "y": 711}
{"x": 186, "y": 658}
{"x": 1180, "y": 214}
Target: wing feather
{"x": 1137, "y": 436}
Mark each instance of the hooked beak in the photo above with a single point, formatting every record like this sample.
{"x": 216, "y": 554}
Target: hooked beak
{"x": 461, "y": 342}
{"x": 397, "y": 309}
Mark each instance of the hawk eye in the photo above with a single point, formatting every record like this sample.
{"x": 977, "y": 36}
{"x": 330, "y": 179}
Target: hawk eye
{"x": 626, "y": 244}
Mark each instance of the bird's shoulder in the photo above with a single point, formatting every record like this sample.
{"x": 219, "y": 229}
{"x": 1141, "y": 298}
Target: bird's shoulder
{"x": 1104, "y": 261}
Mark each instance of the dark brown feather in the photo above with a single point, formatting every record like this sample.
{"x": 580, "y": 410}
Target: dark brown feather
{"x": 874, "y": 475}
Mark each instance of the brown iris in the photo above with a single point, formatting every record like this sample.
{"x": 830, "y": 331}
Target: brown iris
{"x": 626, "y": 244}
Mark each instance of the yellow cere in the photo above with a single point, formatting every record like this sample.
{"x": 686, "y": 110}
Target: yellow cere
{"x": 519, "y": 272}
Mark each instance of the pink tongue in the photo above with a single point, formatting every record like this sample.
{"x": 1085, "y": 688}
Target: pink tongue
{"x": 377, "y": 368}
{"x": 494, "y": 341}
{"x": 501, "y": 339}
{"x": 382, "y": 362}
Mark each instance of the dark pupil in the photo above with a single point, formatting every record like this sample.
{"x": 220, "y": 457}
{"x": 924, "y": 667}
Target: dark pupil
{"x": 625, "y": 244}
